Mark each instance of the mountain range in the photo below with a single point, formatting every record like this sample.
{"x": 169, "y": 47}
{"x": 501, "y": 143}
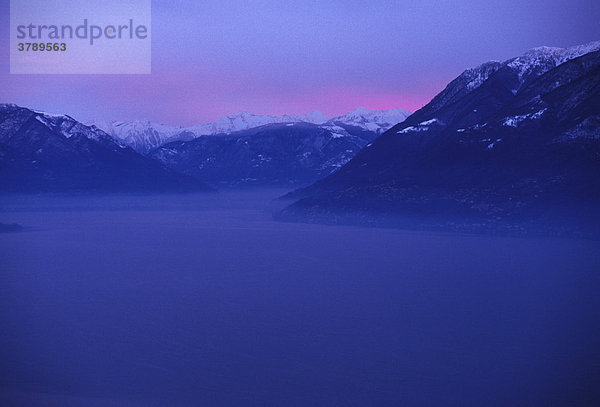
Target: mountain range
{"x": 144, "y": 135}
{"x": 509, "y": 146}
{"x": 41, "y": 152}
{"x": 52, "y": 152}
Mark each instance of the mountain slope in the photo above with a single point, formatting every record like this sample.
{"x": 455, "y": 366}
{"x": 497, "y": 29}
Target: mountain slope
{"x": 511, "y": 145}
{"x": 40, "y": 152}
{"x": 274, "y": 154}
{"x": 143, "y": 135}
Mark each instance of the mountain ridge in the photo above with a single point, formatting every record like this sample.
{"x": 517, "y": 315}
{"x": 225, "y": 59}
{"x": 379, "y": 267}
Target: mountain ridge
{"x": 42, "y": 152}
{"x": 144, "y": 135}
{"x": 276, "y": 154}
{"x": 486, "y": 155}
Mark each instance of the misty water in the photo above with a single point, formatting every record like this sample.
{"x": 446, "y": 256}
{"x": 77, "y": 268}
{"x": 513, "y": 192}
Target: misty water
{"x": 204, "y": 300}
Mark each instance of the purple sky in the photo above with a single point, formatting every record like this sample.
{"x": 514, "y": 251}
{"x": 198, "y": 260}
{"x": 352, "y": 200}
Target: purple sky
{"x": 211, "y": 58}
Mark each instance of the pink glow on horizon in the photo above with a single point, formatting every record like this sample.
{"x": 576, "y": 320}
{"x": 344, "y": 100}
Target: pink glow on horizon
{"x": 188, "y": 97}
{"x": 214, "y": 58}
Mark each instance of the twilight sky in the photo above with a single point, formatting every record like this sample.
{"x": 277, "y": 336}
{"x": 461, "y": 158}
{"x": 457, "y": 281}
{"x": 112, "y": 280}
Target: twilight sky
{"x": 211, "y": 58}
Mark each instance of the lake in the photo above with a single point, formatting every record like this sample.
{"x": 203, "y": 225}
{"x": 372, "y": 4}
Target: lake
{"x": 204, "y": 300}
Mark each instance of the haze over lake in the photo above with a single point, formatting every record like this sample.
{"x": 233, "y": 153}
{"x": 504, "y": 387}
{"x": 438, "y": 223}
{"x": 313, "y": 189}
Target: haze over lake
{"x": 204, "y": 300}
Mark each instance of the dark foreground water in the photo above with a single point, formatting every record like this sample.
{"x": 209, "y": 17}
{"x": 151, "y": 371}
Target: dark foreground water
{"x": 205, "y": 301}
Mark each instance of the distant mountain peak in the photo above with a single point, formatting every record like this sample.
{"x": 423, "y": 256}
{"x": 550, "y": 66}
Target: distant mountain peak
{"x": 360, "y": 111}
{"x": 376, "y": 121}
{"x": 144, "y": 135}
{"x": 314, "y": 117}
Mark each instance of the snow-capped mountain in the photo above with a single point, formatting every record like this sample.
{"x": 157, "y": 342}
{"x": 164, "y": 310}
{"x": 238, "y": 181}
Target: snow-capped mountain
{"x": 291, "y": 150}
{"x": 540, "y": 60}
{"x": 511, "y": 146}
{"x": 249, "y": 149}
{"x": 141, "y": 135}
{"x": 235, "y": 122}
{"x": 61, "y": 124}
{"x": 517, "y": 71}
{"x": 144, "y": 136}
{"x": 376, "y": 121}
{"x": 48, "y": 152}
{"x": 314, "y": 117}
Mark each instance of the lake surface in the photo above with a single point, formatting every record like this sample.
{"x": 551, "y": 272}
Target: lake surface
{"x": 204, "y": 300}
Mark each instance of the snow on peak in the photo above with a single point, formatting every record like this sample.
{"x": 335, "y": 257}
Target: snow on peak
{"x": 534, "y": 62}
{"x": 8, "y": 106}
{"x": 240, "y": 121}
{"x": 372, "y": 120}
{"x": 579, "y": 50}
{"x": 245, "y": 120}
{"x": 474, "y": 77}
{"x": 53, "y": 115}
{"x": 120, "y": 128}
{"x": 540, "y": 60}
{"x": 68, "y": 127}
{"x": 140, "y": 134}
{"x": 144, "y": 135}
{"x": 360, "y": 111}
{"x": 314, "y": 117}
{"x": 562, "y": 55}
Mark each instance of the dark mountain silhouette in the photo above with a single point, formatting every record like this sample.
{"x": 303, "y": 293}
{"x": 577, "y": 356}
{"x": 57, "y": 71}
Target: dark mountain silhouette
{"x": 511, "y": 146}
{"x": 40, "y": 152}
{"x": 280, "y": 154}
